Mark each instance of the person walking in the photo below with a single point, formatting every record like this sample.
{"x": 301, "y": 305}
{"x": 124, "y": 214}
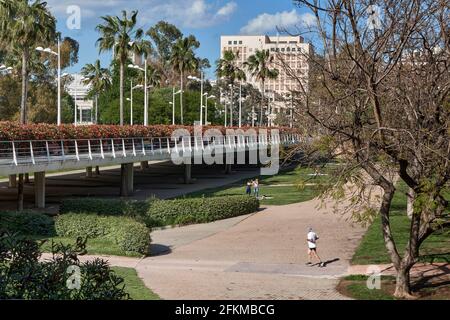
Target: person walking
{"x": 248, "y": 190}
{"x": 256, "y": 188}
{"x": 311, "y": 239}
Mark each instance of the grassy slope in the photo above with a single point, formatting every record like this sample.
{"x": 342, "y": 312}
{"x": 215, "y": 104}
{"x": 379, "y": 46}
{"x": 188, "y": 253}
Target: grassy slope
{"x": 281, "y": 189}
{"x": 134, "y": 286}
{"x": 372, "y": 249}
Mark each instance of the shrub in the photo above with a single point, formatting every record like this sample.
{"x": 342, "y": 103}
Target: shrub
{"x": 24, "y": 276}
{"x": 199, "y": 210}
{"x": 106, "y": 207}
{"x": 27, "y": 223}
{"x": 130, "y": 235}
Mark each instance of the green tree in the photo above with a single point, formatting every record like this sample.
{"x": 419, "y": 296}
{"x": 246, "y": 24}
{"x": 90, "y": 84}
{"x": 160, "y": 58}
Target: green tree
{"x": 24, "y": 25}
{"x": 183, "y": 60}
{"x": 259, "y": 66}
{"x": 119, "y": 35}
{"x": 227, "y": 68}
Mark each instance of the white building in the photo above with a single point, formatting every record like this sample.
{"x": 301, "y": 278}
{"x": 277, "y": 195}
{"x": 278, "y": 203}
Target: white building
{"x": 289, "y": 52}
{"x": 84, "y": 107}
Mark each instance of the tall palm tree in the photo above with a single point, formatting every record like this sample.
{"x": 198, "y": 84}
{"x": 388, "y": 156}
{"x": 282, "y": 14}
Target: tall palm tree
{"x": 183, "y": 60}
{"x": 227, "y": 68}
{"x": 119, "y": 35}
{"x": 259, "y": 67}
{"x": 99, "y": 78}
{"x": 23, "y": 26}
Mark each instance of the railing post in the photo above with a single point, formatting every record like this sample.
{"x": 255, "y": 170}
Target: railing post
{"x": 48, "y": 151}
{"x": 151, "y": 144}
{"x": 63, "y": 154}
{"x": 14, "y": 153}
{"x": 89, "y": 150}
{"x": 102, "y": 153}
{"x": 143, "y": 146}
{"x": 113, "y": 149}
{"x": 168, "y": 145}
{"x": 160, "y": 146}
{"x": 32, "y": 153}
{"x": 134, "y": 148}
{"x": 76, "y": 150}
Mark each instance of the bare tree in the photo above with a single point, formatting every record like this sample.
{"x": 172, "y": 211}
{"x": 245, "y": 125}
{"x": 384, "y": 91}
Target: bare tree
{"x": 379, "y": 96}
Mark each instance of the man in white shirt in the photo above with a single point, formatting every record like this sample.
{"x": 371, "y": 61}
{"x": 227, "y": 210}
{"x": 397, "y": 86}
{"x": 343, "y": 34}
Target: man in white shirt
{"x": 311, "y": 239}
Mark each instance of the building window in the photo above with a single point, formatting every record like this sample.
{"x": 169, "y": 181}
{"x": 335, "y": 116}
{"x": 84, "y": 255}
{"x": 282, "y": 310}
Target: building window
{"x": 288, "y": 49}
{"x": 230, "y": 42}
{"x": 293, "y": 49}
{"x": 235, "y": 42}
{"x": 272, "y": 49}
{"x": 240, "y": 42}
{"x": 282, "y": 49}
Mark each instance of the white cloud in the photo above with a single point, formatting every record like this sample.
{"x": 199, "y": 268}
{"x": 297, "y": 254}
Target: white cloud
{"x": 183, "y": 13}
{"x": 227, "y": 9}
{"x": 267, "y": 23}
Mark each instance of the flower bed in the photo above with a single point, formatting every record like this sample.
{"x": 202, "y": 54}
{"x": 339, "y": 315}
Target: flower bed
{"x": 13, "y": 131}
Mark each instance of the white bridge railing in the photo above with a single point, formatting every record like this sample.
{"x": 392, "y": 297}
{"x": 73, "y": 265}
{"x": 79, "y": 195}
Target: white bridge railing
{"x": 41, "y": 152}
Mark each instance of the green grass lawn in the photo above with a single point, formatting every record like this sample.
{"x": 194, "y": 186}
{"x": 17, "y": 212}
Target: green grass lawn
{"x": 134, "y": 286}
{"x": 372, "y": 250}
{"x": 285, "y": 188}
{"x": 97, "y": 246}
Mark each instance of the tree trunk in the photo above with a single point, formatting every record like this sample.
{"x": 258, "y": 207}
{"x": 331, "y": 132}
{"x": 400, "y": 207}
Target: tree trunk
{"x": 181, "y": 98}
{"x": 23, "y": 103}
{"x": 410, "y": 203}
{"x": 402, "y": 283}
{"x": 122, "y": 76}
{"x": 262, "y": 104}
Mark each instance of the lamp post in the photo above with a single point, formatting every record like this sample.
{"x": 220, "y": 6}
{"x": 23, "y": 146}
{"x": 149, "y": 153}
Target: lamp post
{"x": 206, "y": 105}
{"x": 58, "y": 55}
{"x": 240, "y": 104}
{"x": 173, "y": 103}
{"x": 201, "y": 93}
{"x": 131, "y": 100}
{"x": 133, "y": 66}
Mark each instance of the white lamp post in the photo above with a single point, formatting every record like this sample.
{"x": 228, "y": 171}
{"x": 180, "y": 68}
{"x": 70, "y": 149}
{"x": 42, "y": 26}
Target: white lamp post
{"x": 131, "y": 100}
{"x": 206, "y": 106}
{"x": 173, "y": 103}
{"x": 133, "y": 66}
{"x": 58, "y": 55}
{"x": 201, "y": 94}
{"x": 240, "y": 104}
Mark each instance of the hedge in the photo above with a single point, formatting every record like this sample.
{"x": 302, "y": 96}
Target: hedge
{"x": 106, "y": 207}
{"x": 14, "y": 131}
{"x": 130, "y": 235}
{"x": 199, "y": 210}
{"x": 27, "y": 223}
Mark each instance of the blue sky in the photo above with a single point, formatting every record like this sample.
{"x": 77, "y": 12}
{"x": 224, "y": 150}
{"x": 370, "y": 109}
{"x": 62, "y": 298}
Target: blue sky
{"x": 206, "y": 19}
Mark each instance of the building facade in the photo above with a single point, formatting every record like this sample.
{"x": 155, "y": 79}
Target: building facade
{"x": 79, "y": 92}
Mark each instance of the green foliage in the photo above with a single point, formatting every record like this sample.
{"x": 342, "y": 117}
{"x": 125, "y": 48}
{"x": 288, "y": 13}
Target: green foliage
{"x": 128, "y": 234}
{"x": 199, "y": 210}
{"x": 27, "y": 223}
{"x": 24, "y": 276}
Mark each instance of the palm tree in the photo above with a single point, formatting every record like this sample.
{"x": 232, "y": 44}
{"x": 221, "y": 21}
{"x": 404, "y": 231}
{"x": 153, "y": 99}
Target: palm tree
{"x": 259, "y": 67}
{"x": 23, "y": 26}
{"x": 183, "y": 60}
{"x": 119, "y": 35}
{"x": 99, "y": 78}
{"x": 227, "y": 68}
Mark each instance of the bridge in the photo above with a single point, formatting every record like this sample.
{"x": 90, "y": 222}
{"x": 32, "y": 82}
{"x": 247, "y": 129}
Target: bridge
{"x": 41, "y": 156}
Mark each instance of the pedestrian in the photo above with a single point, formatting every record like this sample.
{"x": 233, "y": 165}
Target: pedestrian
{"x": 311, "y": 239}
{"x": 256, "y": 188}
{"x": 248, "y": 191}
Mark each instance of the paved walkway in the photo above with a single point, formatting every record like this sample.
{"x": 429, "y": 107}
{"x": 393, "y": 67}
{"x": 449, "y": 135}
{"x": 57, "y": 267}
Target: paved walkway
{"x": 261, "y": 256}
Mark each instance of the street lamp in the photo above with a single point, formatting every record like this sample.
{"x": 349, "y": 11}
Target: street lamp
{"x": 58, "y": 55}
{"x": 173, "y": 103}
{"x": 5, "y": 69}
{"x": 201, "y": 93}
{"x": 133, "y": 66}
{"x": 131, "y": 100}
{"x": 206, "y": 105}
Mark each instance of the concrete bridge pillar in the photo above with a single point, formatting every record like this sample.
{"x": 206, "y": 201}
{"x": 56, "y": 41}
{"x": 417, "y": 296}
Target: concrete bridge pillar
{"x": 187, "y": 173}
{"x": 227, "y": 168}
{"x": 144, "y": 165}
{"x": 39, "y": 189}
{"x": 12, "y": 181}
{"x": 127, "y": 179}
{"x": 89, "y": 172}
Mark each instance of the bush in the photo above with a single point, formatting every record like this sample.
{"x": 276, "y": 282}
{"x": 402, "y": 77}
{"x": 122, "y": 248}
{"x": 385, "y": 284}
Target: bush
{"x": 130, "y": 235}
{"x": 24, "y": 276}
{"x": 27, "y": 223}
{"x": 105, "y": 207}
{"x": 199, "y": 210}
